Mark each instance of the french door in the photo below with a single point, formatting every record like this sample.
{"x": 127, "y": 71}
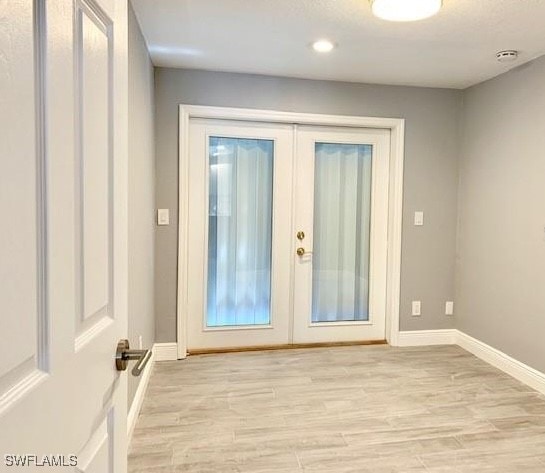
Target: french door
{"x": 239, "y": 259}
{"x": 287, "y": 234}
{"x": 341, "y": 225}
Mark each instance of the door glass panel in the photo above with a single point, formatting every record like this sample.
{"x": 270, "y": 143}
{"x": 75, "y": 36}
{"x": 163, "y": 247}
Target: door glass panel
{"x": 239, "y": 231}
{"x": 342, "y": 210}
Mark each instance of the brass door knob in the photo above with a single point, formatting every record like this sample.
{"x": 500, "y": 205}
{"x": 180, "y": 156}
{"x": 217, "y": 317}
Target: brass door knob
{"x": 300, "y": 251}
{"x": 300, "y": 235}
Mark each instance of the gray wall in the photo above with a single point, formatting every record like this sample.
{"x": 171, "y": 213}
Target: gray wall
{"x": 141, "y": 193}
{"x": 501, "y": 260}
{"x": 432, "y": 146}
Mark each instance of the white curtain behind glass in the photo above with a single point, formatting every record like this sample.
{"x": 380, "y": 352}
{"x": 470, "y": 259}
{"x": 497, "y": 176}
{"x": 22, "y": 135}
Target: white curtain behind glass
{"x": 240, "y": 231}
{"x": 342, "y": 208}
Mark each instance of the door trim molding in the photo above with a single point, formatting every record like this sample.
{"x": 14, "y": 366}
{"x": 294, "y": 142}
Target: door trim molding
{"x": 397, "y": 141}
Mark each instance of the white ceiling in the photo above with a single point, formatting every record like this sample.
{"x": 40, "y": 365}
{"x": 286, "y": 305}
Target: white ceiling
{"x": 454, "y": 49}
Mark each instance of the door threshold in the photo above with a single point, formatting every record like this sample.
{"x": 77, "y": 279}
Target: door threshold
{"x": 287, "y": 346}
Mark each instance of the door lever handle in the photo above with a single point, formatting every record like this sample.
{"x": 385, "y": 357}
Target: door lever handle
{"x": 124, "y": 354}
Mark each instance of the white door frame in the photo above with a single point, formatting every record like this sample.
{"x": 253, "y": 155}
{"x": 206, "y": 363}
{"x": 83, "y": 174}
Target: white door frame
{"x": 395, "y": 204}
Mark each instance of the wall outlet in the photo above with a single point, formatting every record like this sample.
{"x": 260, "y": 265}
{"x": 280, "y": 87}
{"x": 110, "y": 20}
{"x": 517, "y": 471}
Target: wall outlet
{"x": 449, "y": 308}
{"x": 140, "y": 344}
{"x": 416, "y": 308}
{"x": 419, "y": 218}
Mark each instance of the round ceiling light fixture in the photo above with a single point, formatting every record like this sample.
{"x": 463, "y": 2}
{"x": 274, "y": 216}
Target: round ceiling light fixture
{"x": 405, "y": 10}
{"x": 323, "y": 46}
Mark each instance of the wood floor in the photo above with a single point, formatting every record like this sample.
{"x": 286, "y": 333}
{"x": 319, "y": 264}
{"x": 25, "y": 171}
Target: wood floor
{"x": 348, "y": 409}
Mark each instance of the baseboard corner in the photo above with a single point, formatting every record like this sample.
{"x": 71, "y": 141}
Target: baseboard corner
{"x": 166, "y": 351}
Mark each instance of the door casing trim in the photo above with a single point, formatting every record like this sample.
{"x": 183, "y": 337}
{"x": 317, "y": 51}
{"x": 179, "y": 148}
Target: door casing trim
{"x": 395, "y": 202}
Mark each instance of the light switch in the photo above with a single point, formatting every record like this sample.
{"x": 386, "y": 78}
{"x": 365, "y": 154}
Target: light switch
{"x": 449, "y": 308}
{"x": 416, "y": 308}
{"x": 163, "y": 217}
{"x": 419, "y": 218}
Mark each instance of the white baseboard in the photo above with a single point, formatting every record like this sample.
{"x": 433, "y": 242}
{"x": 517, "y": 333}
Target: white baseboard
{"x": 419, "y": 338}
{"x": 166, "y": 351}
{"x": 518, "y": 370}
{"x": 161, "y": 352}
{"x": 136, "y": 405}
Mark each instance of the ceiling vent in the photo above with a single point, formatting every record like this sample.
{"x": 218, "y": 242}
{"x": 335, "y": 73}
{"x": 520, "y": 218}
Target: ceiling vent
{"x": 509, "y": 55}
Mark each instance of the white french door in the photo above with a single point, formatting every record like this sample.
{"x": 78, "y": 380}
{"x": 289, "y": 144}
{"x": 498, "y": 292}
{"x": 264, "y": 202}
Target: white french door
{"x": 341, "y": 224}
{"x": 287, "y": 234}
{"x": 239, "y": 259}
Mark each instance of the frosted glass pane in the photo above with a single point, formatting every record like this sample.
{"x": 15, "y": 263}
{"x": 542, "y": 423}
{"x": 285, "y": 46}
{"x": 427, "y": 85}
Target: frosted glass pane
{"x": 342, "y": 209}
{"x": 239, "y": 231}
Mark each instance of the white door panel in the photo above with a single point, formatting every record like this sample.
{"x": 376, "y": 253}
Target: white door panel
{"x": 341, "y": 205}
{"x": 93, "y": 40}
{"x": 63, "y": 248}
{"x": 97, "y": 455}
{"x": 21, "y": 171}
{"x": 254, "y": 290}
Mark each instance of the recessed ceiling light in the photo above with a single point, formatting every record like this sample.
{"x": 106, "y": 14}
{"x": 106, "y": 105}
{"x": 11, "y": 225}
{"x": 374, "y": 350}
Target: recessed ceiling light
{"x": 405, "y": 10}
{"x": 323, "y": 46}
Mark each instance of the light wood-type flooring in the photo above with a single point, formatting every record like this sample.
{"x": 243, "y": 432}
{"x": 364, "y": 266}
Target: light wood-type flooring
{"x": 348, "y": 409}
